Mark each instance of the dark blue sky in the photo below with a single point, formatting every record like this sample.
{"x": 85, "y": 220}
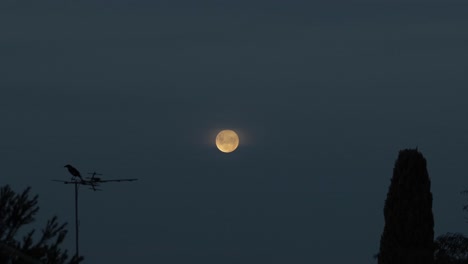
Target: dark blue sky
{"x": 322, "y": 95}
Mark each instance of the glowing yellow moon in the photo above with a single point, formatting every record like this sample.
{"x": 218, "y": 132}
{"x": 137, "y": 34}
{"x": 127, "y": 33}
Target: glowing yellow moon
{"x": 227, "y": 141}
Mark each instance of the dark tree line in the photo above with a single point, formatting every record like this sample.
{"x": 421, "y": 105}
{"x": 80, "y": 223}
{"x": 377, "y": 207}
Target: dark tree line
{"x": 17, "y": 211}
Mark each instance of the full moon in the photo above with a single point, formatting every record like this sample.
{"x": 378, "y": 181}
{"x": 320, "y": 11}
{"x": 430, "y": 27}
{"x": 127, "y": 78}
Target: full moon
{"x": 227, "y": 141}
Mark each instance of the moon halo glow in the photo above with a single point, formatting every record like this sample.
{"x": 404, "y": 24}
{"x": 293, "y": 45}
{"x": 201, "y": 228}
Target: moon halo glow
{"x": 227, "y": 141}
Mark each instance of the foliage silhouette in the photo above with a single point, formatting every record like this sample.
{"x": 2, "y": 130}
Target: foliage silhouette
{"x": 408, "y": 235}
{"x": 18, "y": 210}
{"x": 451, "y": 248}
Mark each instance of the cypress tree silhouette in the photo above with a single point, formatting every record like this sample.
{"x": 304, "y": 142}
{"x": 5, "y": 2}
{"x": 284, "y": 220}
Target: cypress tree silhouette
{"x": 408, "y": 235}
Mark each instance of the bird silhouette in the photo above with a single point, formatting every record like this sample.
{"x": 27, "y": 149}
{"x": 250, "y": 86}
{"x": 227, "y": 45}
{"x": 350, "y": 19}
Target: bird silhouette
{"x": 73, "y": 171}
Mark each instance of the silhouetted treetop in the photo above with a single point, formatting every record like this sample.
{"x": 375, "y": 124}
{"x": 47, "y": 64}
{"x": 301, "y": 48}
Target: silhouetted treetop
{"x": 17, "y": 210}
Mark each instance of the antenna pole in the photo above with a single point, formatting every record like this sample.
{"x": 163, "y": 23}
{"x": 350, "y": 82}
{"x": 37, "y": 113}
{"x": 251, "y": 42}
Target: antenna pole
{"x": 94, "y": 181}
{"x": 76, "y": 221}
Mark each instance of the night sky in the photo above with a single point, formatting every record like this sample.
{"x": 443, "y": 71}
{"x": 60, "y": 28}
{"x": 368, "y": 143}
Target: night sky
{"x": 323, "y": 97}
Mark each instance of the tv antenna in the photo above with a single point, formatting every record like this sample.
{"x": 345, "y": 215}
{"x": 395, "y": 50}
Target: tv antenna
{"x": 94, "y": 182}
